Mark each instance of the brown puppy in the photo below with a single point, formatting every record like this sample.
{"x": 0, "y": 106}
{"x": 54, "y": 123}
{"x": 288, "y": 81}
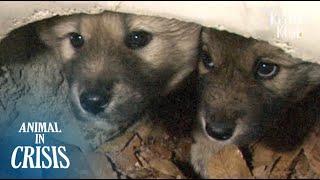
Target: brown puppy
{"x": 117, "y": 63}
{"x": 250, "y": 89}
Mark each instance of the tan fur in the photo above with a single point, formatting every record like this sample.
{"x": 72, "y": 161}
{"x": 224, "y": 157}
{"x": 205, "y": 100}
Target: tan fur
{"x": 137, "y": 75}
{"x": 258, "y": 108}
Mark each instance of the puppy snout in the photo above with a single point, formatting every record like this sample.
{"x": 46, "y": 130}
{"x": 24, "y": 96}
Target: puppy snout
{"x": 217, "y": 124}
{"x": 219, "y": 131}
{"x": 94, "y": 101}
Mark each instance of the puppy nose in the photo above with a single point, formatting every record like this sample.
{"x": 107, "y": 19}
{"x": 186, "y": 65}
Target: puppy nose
{"x": 219, "y": 131}
{"x": 94, "y": 101}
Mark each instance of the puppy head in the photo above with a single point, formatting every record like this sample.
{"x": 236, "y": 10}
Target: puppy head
{"x": 247, "y": 86}
{"x": 117, "y": 63}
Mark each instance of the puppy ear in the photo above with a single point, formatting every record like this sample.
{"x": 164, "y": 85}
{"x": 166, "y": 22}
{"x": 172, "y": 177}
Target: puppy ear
{"x": 205, "y": 35}
{"x": 54, "y": 33}
{"x": 307, "y": 75}
{"x": 52, "y": 30}
{"x": 46, "y": 33}
{"x": 314, "y": 74}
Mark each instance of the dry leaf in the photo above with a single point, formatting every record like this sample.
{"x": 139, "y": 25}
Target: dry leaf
{"x": 149, "y": 155}
{"x": 141, "y": 128}
{"x": 145, "y": 154}
{"x": 302, "y": 169}
{"x": 124, "y": 158}
{"x": 142, "y": 173}
{"x": 165, "y": 167}
{"x": 162, "y": 151}
{"x": 275, "y": 164}
{"x": 262, "y": 156}
{"x": 261, "y": 172}
{"x": 314, "y": 158}
{"x": 312, "y": 149}
{"x": 100, "y": 166}
{"x": 228, "y": 163}
{"x": 281, "y": 168}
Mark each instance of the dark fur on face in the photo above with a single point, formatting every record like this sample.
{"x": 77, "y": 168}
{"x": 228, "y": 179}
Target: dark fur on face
{"x": 250, "y": 90}
{"x": 112, "y": 77}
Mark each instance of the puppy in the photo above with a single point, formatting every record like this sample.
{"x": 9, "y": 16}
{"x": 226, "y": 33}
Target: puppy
{"x": 249, "y": 90}
{"x": 116, "y": 64}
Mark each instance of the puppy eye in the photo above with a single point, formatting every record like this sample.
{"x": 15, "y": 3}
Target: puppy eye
{"x": 137, "y": 39}
{"x": 206, "y": 60}
{"x": 76, "y": 40}
{"x": 266, "y": 70}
